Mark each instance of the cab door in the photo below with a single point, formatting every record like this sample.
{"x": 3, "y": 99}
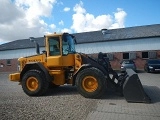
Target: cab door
{"x": 54, "y": 58}
{"x": 67, "y": 55}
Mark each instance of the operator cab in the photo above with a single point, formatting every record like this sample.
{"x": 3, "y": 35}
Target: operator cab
{"x": 67, "y": 42}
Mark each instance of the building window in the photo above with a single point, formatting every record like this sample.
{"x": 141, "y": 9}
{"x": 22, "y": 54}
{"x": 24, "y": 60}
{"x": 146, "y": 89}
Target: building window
{"x": 129, "y": 56}
{"x": 145, "y": 55}
{"x": 8, "y": 62}
{"x": 132, "y": 55}
{"x": 125, "y": 55}
{"x": 149, "y": 55}
{"x": 152, "y": 54}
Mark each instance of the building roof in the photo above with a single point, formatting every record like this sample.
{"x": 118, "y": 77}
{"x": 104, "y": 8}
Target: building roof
{"x": 94, "y": 36}
{"x": 20, "y": 44}
{"x": 119, "y": 34}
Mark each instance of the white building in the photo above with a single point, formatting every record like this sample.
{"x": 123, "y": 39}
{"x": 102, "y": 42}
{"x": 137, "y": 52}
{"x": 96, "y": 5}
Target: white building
{"x": 138, "y": 43}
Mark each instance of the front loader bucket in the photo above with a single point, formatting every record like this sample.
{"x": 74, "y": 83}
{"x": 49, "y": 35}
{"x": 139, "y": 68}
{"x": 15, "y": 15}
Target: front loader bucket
{"x": 133, "y": 90}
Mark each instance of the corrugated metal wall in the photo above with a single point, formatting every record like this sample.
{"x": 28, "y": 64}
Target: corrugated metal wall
{"x": 90, "y": 48}
{"x": 120, "y": 46}
{"x": 11, "y": 54}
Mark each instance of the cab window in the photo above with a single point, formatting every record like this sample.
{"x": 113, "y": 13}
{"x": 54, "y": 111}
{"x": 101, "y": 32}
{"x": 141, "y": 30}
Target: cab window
{"x": 54, "y": 46}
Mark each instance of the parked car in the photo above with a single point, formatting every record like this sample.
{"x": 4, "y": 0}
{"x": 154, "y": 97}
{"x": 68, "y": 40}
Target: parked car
{"x": 152, "y": 65}
{"x": 128, "y": 64}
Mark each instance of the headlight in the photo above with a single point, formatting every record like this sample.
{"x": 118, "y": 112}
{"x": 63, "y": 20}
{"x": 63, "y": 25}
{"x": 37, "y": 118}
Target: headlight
{"x": 122, "y": 66}
{"x": 150, "y": 67}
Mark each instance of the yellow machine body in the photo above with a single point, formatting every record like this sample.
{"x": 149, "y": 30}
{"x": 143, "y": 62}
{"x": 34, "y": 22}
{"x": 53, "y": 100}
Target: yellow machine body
{"x": 55, "y": 63}
{"x": 60, "y": 64}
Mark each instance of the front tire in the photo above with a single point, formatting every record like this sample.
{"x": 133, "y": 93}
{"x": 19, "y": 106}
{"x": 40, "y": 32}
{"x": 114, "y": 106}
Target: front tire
{"x": 34, "y": 83}
{"x": 91, "y": 83}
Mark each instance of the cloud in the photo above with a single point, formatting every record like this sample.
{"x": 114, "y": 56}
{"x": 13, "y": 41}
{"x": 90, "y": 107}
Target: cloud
{"x": 119, "y": 18}
{"x": 66, "y": 9}
{"x": 21, "y": 19}
{"x": 79, "y": 8}
{"x": 61, "y": 22}
{"x": 59, "y": 2}
{"x": 52, "y": 26}
{"x": 9, "y": 15}
{"x": 83, "y": 21}
{"x": 66, "y": 30}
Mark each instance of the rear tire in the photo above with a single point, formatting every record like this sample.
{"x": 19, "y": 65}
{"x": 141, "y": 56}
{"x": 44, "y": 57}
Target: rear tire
{"x": 34, "y": 83}
{"x": 91, "y": 83}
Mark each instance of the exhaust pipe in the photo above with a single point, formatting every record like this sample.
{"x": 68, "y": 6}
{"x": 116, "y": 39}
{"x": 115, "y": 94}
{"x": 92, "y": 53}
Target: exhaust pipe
{"x": 133, "y": 90}
{"x": 32, "y": 39}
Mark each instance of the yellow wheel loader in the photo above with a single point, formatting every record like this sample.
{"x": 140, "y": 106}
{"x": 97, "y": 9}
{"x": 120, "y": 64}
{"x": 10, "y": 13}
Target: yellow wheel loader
{"x": 60, "y": 64}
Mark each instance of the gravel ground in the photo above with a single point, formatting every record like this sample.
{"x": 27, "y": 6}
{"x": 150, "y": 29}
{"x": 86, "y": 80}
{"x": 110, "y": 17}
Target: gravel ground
{"x": 63, "y": 103}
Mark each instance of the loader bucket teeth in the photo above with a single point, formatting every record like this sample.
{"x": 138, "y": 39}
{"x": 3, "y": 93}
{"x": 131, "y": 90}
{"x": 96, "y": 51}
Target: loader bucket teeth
{"x": 133, "y": 90}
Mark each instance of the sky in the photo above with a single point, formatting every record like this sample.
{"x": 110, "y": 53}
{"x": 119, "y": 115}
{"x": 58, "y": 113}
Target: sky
{"x": 21, "y": 19}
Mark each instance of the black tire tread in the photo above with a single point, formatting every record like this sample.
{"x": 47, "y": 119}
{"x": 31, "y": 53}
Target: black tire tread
{"x": 44, "y": 84}
{"x": 102, "y": 82}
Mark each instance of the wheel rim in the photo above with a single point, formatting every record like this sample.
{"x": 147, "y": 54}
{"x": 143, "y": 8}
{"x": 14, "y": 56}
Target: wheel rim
{"x": 90, "y": 84}
{"x": 32, "y": 83}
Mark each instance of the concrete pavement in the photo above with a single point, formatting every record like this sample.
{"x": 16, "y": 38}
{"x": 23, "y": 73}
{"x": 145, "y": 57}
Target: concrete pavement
{"x": 116, "y": 108}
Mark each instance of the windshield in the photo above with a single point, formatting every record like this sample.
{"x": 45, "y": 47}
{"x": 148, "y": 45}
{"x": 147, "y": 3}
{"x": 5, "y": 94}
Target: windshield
{"x": 68, "y": 44}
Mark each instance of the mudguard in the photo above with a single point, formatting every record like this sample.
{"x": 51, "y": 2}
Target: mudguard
{"x": 133, "y": 90}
